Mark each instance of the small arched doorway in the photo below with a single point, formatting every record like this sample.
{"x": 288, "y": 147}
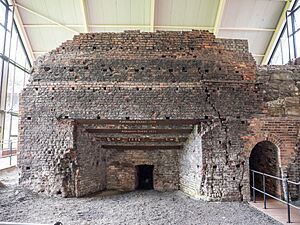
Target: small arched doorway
{"x": 264, "y": 158}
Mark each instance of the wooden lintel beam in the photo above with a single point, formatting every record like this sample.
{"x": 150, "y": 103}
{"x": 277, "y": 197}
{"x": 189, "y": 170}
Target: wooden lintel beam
{"x": 141, "y": 139}
{"x": 140, "y": 131}
{"x": 142, "y": 147}
{"x": 141, "y": 122}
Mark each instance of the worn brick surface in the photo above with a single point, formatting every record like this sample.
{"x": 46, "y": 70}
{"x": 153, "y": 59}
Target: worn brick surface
{"x": 153, "y": 76}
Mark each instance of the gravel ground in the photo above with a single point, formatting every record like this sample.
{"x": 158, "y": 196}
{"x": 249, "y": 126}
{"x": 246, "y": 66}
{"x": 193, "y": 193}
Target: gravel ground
{"x": 139, "y": 207}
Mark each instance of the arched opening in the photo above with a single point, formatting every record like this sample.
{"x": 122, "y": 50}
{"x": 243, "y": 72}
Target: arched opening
{"x": 264, "y": 158}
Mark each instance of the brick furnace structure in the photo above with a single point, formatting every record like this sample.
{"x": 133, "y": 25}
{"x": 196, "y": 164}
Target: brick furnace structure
{"x": 163, "y": 110}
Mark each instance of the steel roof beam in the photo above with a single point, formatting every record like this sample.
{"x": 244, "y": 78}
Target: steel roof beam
{"x": 46, "y": 18}
{"x": 83, "y": 4}
{"x": 219, "y": 16}
{"x": 152, "y": 16}
{"x": 147, "y": 26}
{"x": 23, "y": 33}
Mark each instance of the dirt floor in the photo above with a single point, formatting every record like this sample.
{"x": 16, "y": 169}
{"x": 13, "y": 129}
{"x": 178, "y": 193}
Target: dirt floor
{"x": 139, "y": 207}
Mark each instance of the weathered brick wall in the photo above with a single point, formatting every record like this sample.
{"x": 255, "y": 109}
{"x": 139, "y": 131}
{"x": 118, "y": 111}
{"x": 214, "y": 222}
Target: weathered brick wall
{"x": 141, "y": 76}
{"x": 191, "y": 164}
{"x": 90, "y": 174}
{"x": 294, "y": 173}
{"x": 121, "y": 171}
{"x": 279, "y": 121}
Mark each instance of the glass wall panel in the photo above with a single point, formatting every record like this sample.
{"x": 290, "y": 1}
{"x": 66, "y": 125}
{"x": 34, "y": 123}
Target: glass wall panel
{"x": 18, "y": 86}
{"x": 288, "y": 45}
{"x": 14, "y": 43}
{"x": 2, "y": 35}
{"x": 2, "y": 13}
{"x": 13, "y": 77}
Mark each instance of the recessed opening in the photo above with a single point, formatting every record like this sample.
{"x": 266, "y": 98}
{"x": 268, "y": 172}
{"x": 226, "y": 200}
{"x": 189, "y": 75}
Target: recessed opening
{"x": 127, "y": 117}
{"x": 66, "y": 117}
{"x": 98, "y": 117}
{"x": 184, "y": 69}
{"x": 46, "y": 68}
{"x": 94, "y": 47}
{"x": 27, "y": 167}
{"x": 206, "y": 71}
{"x": 71, "y": 69}
{"x": 144, "y": 177}
{"x": 167, "y": 117}
{"x": 28, "y": 118}
{"x": 104, "y": 88}
{"x": 36, "y": 89}
{"x": 171, "y": 70}
{"x": 206, "y": 117}
{"x": 136, "y": 70}
{"x": 264, "y": 158}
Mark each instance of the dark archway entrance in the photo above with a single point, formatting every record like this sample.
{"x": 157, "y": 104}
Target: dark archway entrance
{"x": 264, "y": 158}
{"x": 144, "y": 177}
